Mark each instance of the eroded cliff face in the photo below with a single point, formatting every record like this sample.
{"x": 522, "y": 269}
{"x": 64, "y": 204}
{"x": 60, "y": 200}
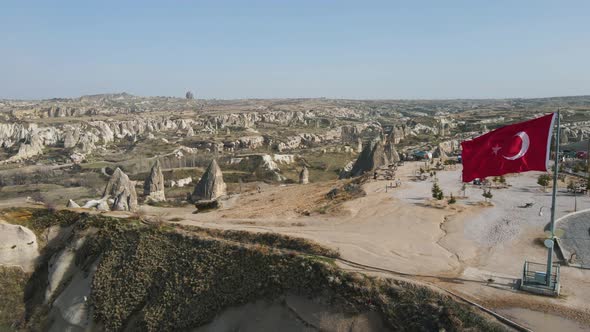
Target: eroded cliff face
{"x": 86, "y": 136}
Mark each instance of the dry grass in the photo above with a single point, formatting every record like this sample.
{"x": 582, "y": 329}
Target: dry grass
{"x": 280, "y": 201}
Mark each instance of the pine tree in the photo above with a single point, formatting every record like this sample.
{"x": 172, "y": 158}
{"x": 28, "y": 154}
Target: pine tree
{"x": 487, "y": 195}
{"x": 452, "y": 199}
{"x": 436, "y": 192}
{"x": 543, "y": 180}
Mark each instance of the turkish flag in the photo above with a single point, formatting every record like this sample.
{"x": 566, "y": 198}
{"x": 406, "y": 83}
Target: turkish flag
{"x": 515, "y": 148}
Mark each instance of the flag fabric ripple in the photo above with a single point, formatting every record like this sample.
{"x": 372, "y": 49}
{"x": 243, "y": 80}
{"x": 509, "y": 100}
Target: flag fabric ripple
{"x": 515, "y": 148}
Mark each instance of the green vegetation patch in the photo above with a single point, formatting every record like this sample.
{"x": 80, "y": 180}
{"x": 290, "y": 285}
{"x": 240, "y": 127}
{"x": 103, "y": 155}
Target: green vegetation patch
{"x": 39, "y": 220}
{"x": 12, "y": 306}
{"x": 151, "y": 280}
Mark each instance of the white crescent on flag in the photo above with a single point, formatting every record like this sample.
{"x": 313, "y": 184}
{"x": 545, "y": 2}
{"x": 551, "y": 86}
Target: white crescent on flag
{"x": 523, "y": 149}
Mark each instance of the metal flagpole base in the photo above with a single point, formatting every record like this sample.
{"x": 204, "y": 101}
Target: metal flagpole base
{"x": 534, "y": 279}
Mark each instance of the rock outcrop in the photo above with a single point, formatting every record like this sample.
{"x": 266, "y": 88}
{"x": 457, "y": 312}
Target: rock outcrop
{"x": 439, "y": 152}
{"x": 73, "y": 205}
{"x": 304, "y": 176}
{"x": 268, "y": 169}
{"x": 77, "y": 158}
{"x": 27, "y": 150}
{"x": 153, "y": 187}
{"x": 19, "y": 246}
{"x": 122, "y": 190}
{"x": 180, "y": 182}
{"x": 372, "y": 157}
{"x": 99, "y": 204}
{"x": 391, "y": 152}
{"x": 346, "y": 170}
{"x": 211, "y": 186}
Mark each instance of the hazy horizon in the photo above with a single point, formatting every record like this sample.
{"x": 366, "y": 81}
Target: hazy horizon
{"x": 269, "y": 50}
{"x": 282, "y": 98}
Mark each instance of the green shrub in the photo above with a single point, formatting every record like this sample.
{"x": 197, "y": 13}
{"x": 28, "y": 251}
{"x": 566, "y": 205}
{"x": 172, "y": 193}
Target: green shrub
{"x": 452, "y": 200}
{"x": 12, "y": 306}
{"x": 543, "y": 180}
{"x": 150, "y": 280}
{"x": 437, "y": 192}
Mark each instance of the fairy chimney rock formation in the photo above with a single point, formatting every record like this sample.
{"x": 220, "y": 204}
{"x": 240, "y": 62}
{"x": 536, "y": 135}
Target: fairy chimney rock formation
{"x": 211, "y": 185}
{"x": 304, "y": 176}
{"x": 153, "y": 187}
{"x": 122, "y": 191}
{"x": 372, "y": 157}
{"x": 440, "y": 153}
{"x": 391, "y": 152}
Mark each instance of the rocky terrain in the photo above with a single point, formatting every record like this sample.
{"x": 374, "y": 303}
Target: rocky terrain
{"x": 155, "y": 165}
{"x": 256, "y": 140}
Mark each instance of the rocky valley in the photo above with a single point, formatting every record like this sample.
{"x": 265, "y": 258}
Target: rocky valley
{"x": 116, "y": 208}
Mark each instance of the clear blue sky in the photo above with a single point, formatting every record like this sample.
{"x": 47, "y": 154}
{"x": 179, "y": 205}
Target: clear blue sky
{"x": 272, "y": 49}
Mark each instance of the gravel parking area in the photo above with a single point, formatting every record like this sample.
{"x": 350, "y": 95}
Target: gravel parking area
{"x": 576, "y": 238}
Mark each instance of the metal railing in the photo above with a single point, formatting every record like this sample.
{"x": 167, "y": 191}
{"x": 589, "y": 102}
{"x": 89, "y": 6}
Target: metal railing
{"x": 535, "y": 274}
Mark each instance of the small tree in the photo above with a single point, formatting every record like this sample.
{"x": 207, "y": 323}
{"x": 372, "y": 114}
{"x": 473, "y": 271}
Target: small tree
{"x": 487, "y": 195}
{"x": 502, "y": 179}
{"x": 452, "y": 200}
{"x": 543, "y": 180}
{"x": 189, "y": 95}
{"x": 436, "y": 192}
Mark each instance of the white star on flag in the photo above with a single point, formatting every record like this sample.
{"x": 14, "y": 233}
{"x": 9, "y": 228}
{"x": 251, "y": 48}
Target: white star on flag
{"x": 496, "y": 148}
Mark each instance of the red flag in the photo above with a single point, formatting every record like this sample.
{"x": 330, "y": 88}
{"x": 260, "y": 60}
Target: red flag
{"x": 515, "y": 148}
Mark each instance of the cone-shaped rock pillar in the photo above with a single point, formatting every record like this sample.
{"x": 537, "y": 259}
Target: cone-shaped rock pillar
{"x": 153, "y": 187}
{"x": 211, "y": 186}
{"x": 122, "y": 190}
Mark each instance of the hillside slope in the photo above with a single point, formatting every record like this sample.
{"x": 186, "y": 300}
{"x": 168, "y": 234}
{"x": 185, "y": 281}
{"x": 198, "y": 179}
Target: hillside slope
{"x": 96, "y": 273}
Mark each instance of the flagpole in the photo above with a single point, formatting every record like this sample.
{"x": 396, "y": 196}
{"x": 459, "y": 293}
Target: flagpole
{"x": 553, "y": 207}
